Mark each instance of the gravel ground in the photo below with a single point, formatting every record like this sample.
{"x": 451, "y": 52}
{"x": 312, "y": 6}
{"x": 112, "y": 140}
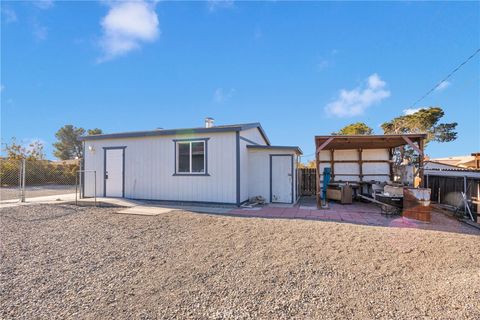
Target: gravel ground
{"x": 9, "y": 193}
{"x": 60, "y": 261}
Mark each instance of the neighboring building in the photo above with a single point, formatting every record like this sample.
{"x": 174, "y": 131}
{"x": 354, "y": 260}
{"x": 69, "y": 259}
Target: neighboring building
{"x": 225, "y": 164}
{"x": 434, "y": 168}
{"x": 472, "y": 161}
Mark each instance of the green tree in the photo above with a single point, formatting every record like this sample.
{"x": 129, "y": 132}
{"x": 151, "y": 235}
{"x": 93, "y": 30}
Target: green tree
{"x": 425, "y": 120}
{"x": 32, "y": 151}
{"x": 310, "y": 164}
{"x": 91, "y": 132}
{"x": 358, "y": 128}
{"x": 68, "y": 146}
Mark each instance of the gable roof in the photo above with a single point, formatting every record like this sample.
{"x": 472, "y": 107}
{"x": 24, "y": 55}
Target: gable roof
{"x": 169, "y": 132}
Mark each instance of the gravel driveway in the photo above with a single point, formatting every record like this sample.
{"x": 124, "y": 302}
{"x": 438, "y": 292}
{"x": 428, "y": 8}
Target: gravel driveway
{"x": 60, "y": 261}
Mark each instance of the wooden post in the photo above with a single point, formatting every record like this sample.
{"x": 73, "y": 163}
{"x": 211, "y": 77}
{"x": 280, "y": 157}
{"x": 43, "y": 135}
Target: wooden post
{"x": 317, "y": 162}
{"x": 332, "y": 162}
{"x": 421, "y": 155}
{"x": 390, "y": 158}
{"x": 360, "y": 165}
{"x": 317, "y": 157}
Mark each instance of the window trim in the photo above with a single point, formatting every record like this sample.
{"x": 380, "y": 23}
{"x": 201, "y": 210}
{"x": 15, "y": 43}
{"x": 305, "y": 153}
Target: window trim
{"x": 175, "y": 162}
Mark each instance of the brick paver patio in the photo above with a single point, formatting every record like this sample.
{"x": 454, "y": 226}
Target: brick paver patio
{"x": 357, "y": 213}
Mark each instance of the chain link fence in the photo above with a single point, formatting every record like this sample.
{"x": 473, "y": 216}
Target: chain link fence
{"x": 10, "y": 179}
{"x": 25, "y": 179}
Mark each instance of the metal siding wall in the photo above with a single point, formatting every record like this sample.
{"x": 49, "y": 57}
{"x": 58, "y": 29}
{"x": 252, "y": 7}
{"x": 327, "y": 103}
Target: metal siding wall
{"x": 259, "y": 172}
{"x": 255, "y": 136}
{"x": 91, "y": 163}
{"x": 149, "y": 168}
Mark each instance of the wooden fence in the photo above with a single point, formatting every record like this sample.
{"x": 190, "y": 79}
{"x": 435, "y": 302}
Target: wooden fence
{"x": 308, "y": 181}
{"x": 447, "y": 189}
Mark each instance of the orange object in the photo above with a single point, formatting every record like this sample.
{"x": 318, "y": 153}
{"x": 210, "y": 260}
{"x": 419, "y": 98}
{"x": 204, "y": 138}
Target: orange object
{"x": 416, "y": 204}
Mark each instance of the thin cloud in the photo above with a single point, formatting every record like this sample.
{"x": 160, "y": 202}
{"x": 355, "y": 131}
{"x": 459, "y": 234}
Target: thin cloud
{"x": 221, "y": 95}
{"x": 410, "y": 111}
{"x": 2, "y": 87}
{"x": 214, "y": 5}
{"x": 40, "y": 32}
{"x": 327, "y": 61}
{"x": 43, "y": 4}
{"x": 323, "y": 64}
{"x": 354, "y": 102}
{"x": 9, "y": 15}
{"x": 443, "y": 85}
{"x": 126, "y": 26}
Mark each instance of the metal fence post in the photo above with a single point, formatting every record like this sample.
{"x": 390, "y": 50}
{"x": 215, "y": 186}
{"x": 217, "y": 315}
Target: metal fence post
{"x": 95, "y": 186}
{"x": 24, "y": 164}
{"x": 76, "y": 189}
{"x": 19, "y": 180}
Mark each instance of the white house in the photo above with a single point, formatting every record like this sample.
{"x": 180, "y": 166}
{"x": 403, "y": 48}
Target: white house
{"x": 225, "y": 164}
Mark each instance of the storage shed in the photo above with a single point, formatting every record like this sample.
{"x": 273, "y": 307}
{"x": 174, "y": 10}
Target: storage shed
{"x": 225, "y": 164}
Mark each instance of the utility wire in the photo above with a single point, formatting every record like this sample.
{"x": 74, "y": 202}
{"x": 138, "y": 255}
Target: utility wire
{"x": 447, "y": 77}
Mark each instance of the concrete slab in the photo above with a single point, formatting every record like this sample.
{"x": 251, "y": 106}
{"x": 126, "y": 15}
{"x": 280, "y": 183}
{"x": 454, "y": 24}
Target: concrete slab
{"x": 202, "y": 209}
{"x": 145, "y": 210}
{"x": 119, "y": 202}
{"x": 281, "y": 205}
{"x": 308, "y": 207}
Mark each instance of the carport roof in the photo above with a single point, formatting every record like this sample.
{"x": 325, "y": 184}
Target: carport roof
{"x": 168, "y": 132}
{"x": 338, "y": 142}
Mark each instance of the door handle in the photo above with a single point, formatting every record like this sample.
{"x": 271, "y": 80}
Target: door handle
{"x": 106, "y": 175}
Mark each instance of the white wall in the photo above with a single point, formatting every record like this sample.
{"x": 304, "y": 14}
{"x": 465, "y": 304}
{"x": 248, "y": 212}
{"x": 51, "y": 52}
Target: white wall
{"x": 376, "y": 168}
{"x": 150, "y": 164}
{"x": 259, "y": 172}
{"x": 353, "y": 168}
{"x": 255, "y": 136}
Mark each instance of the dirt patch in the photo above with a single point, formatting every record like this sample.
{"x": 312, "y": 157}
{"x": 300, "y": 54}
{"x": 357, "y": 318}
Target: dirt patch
{"x": 61, "y": 261}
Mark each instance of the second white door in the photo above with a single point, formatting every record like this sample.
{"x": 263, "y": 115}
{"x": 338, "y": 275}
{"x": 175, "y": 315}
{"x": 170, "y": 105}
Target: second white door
{"x": 281, "y": 179}
{"x": 114, "y": 173}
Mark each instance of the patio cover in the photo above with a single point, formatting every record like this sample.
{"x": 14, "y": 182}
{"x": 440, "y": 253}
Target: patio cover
{"x": 366, "y": 141}
{"x": 360, "y": 142}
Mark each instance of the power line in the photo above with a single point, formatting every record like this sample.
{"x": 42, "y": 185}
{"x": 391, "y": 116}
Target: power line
{"x": 446, "y": 78}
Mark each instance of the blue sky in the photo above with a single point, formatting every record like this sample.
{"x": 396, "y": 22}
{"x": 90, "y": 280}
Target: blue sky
{"x": 299, "y": 68}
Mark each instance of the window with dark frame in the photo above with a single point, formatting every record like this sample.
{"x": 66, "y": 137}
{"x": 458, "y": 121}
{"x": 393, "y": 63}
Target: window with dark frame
{"x": 191, "y": 157}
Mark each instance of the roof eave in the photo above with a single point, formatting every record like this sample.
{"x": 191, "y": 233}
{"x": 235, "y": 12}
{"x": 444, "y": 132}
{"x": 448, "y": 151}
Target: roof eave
{"x": 141, "y": 134}
{"x": 269, "y": 147}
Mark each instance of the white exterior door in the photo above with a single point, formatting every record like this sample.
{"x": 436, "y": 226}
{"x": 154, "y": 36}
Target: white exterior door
{"x": 114, "y": 173}
{"x": 281, "y": 179}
